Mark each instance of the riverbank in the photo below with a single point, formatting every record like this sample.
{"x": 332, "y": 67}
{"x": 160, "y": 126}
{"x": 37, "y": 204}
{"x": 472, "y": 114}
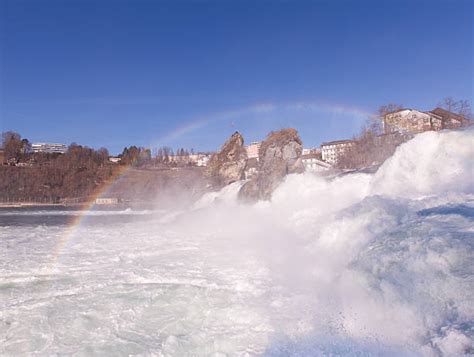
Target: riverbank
{"x": 21, "y": 188}
{"x": 79, "y": 206}
{"x": 31, "y": 204}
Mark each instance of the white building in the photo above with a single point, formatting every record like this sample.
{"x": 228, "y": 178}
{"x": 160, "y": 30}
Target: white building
{"x": 202, "y": 160}
{"x": 312, "y": 163}
{"x": 106, "y": 201}
{"x": 196, "y": 159}
{"x": 331, "y": 151}
{"x": 114, "y": 159}
{"x": 199, "y": 159}
{"x": 252, "y": 150}
{"x": 49, "y": 148}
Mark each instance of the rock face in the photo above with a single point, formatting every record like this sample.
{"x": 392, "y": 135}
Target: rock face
{"x": 279, "y": 155}
{"x": 228, "y": 165}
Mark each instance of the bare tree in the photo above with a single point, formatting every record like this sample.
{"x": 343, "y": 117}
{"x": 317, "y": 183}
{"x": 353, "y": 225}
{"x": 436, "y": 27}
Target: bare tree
{"x": 449, "y": 103}
{"x": 370, "y": 148}
{"x": 388, "y": 108}
{"x": 166, "y": 154}
{"x": 12, "y": 145}
{"x": 25, "y": 146}
{"x": 464, "y": 108}
{"x": 103, "y": 154}
{"x": 159, "y": 155}
{"x": 461, "y": 107}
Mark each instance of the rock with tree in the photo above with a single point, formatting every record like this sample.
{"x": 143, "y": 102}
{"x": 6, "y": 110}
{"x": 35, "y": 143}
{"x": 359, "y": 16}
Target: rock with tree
{"x": 279, "y": 155}
{"x": 228, "y": 165}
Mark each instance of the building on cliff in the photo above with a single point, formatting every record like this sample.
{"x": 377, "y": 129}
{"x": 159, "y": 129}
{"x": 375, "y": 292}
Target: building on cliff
{"x": 332, "y": 150}
{"x": 450, "y": 120}
{"x": 414, "y": 121}
{"x": 411, "y": 121}
{"x": 398, "y": 126}
{"x": 253, "y": 149}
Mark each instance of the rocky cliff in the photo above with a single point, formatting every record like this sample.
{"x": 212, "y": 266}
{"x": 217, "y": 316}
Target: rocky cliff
{"x": 279, "y": 155}
{"x": 228, "y": 164}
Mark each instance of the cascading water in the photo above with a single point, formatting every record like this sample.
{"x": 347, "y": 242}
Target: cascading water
{"x": 360, "y": 264}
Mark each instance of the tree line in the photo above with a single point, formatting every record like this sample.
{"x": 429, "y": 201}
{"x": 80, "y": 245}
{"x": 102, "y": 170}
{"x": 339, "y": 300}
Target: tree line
{"x": 17, "y": 149}
{"x": 51, "y": 177}
{"x": 78, "y": 173}
{"x": 162, "y": 156}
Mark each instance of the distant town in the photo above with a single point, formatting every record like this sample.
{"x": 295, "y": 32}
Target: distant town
{"x": 64, "y": 172}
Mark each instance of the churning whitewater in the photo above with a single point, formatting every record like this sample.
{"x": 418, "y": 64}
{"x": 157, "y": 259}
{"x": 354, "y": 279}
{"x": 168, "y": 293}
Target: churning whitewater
{"x": 358, "y": 264}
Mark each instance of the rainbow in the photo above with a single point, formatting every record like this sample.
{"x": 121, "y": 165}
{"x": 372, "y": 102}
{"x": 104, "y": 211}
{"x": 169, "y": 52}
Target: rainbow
{"x": 193, "y": 125}
{"x": 75, "y": 223}
{"x": 202, "y": 121}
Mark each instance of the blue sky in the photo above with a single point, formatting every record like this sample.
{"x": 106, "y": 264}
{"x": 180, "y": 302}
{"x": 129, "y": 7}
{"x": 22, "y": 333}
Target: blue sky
{"x": 189, "y": 73}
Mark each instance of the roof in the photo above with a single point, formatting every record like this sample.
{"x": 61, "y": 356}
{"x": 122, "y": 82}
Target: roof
{"x": 337, "y": 142}
{"x": 446, "y": 114}
{"x": 397, "y": 111}
{"x": 319, "y": 162}
{"x": 434, "y": 115}
{"x": 310, "y": 156}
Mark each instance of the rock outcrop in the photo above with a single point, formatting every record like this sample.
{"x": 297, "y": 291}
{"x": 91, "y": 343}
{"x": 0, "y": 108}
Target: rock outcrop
{"x": 279, "y": 155}
{"x": 228, "y": 164}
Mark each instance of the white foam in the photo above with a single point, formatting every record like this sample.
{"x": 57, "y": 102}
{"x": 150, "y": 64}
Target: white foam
{"x": 431, "y": 163}
{"x": 358, "y": 264}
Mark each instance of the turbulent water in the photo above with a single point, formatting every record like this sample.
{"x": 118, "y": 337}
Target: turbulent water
{"x": 360, "y": 264}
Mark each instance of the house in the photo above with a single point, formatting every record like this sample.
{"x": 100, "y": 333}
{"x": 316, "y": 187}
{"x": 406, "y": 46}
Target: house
{"x": 411, "y": 121}
{"x": 12, "y": 162}
{"x": 414, "y": 121}
{"x": 252, "y": 149}
{"x": 106, "y": 201}
{"x": 331, "y": 151}
{"x": 49, "y": 148}
{"x": 312, "y": 162}
{"x": 190, "y": 159}
{"x": 202, "y": 160}
{"x": 115, "y": 160}
{"x": 24, "y": 164}
{"x": 449, "y": 120}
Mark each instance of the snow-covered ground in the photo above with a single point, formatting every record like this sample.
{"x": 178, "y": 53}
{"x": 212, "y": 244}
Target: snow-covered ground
{"x": 367, "y": 264}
